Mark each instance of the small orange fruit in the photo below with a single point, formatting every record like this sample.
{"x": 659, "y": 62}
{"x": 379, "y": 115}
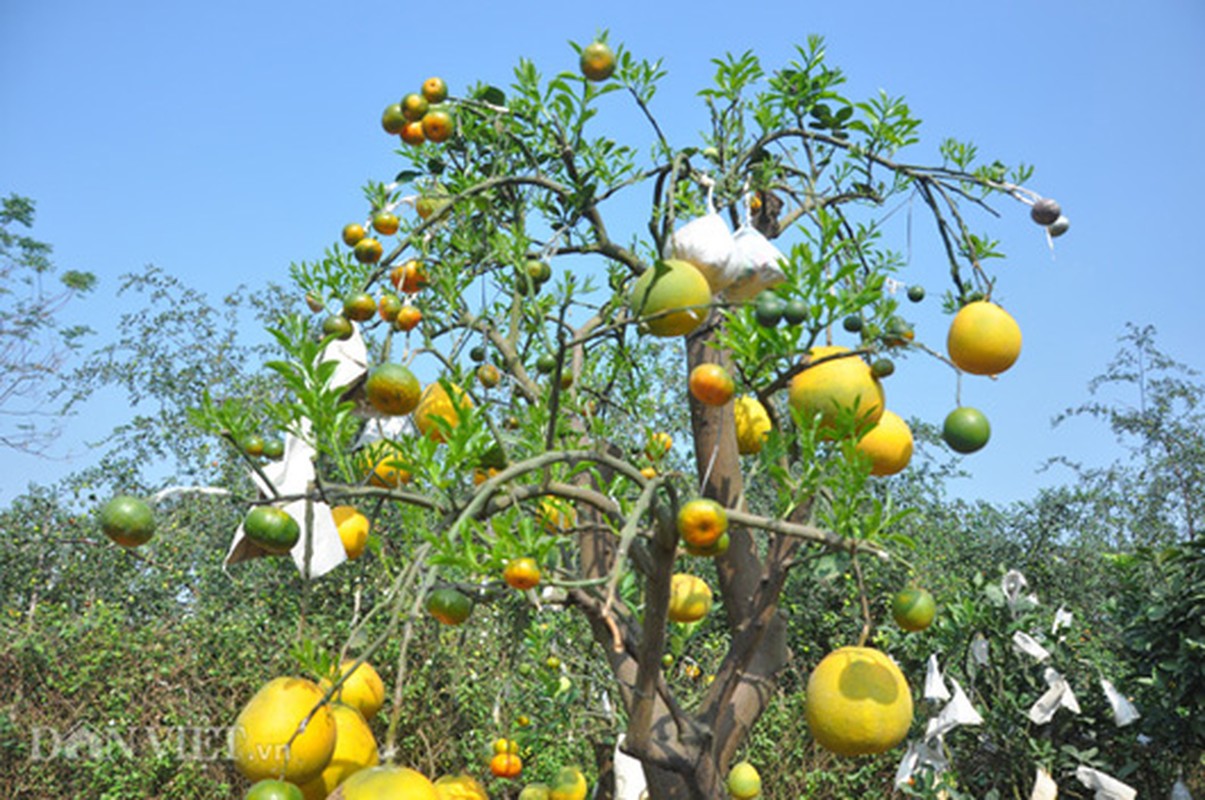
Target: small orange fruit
{"x": 522, "y": 573}
{"x": 353, "y": 530}
{"x": 408, "y": 318}
{"x": 701, "y": 522}
{"x": 413, "y": 277}
{"x": 506, "y": 765}
{"x": 437, "y": 125}
{"x": 353, "y": 232}
{"x": 368, "y": 251}
{"x": 752, "y": 424}
{"x": 597, "y": 61}
{"x": 388, "y": 306}
{"x": 359, "y": 306}
{"x": 128, "y": 521}
{"x": 711, "y": 384}
{"x": 658, "y": 445}
{"x": 414, "y": 106}
{"x": 412, "y": 133}
{"x": 386, "y": 223}
{"x": 392, "y": 118}
{"x": 436, "y": 403}
{"x": 488, "y": 375}
{"x": 435, "y": 90}
{"x": 449, "y": 606}
{"x": 689, "y": 598}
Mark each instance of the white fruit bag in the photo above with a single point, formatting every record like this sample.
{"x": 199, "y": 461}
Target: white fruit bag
{"x": 706, "y": 243}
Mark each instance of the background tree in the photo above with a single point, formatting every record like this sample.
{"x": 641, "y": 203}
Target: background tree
{"x": 34, "y": 339}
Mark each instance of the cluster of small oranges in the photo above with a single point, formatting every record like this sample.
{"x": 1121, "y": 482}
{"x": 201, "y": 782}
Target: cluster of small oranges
{"x": 421, "y": 116}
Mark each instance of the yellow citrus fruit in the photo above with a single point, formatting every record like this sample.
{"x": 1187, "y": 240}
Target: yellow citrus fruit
{"x": 460, "y": 787}
{"x": 355, "y": 749}
{"x": 535, "y": 791}
{"x": 504, "y": 745}
{"x": 649, "y": 473}
{"x": 386, "y": 783}
{"x": 364, "y": 690}
{"x": 752, "y": 424}
{"x": 658, "y": 445}
{"x": 836, "y": 385}
{"x": 270, "y": 719}
{"x": 671, "y": 298}
{"x": 858, "y": 702}
{"x": 353, "y": 530}
{"x": 689, "y": 598}
{"x": 701, "y": 522}
{"x": 557, "y": 515}
{"x": 384, "y": 466}
{"x": 983, "y": 339}
{"x": 888, "y": 445}
{"x": 743, "y": 781}
{"x": 569, "y": 784}
{"x": 506, "y": 765}
{"x": 597, "y": 61}
{"x": 913, "y": 609}
{"x": 435, "y": 403}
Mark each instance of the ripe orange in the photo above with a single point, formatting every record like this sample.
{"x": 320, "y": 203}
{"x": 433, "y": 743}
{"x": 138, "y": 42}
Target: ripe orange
{"x": 127, "y": 521}
{"x": 412, "y": 133}
{"x": 438, "y": 125}
{"x": 839, "y": 384}
{"x": 436, "y": 404}
{"x": 718, "y": 549}
{"x": 414, "y": 106}
{"x": 435, "y": 90}
{"x": 392, "y": 118}
{"x": 568, "y": 784}
{"x": 392, "y": 389}
{"x": 966, "y": 430}
{"x": 506, "y": 765}
{"x": 359, "y": 306}
{"x": 272, "y": 529}
{"x": 270, "y": 719}
{"x": 412, "y": 277}
{"x": 353, "y": 232}
{"x": 858, "y": 702}
{"x": 397, "y": 783}
{"x": 460, "y": 787}
{"x": 386, "y": 223}
{"x": 658, "y": 445}
{"x": 522, "y": 573}
{"x": 689, "y": 598}
{"x": 671, "y": 299}
{"x": 701, "y": 522}
{"x": 408, "y": 318}
{"x": 368, "y": 251}
{"x": 888, "y": 445}
{"x": 449, "y": 606}
{"x": 913, "y": 609}
{"x": 983, "y": 339}
{"x": 752, "y": 424}
{"x": 597, "y": 61}
{"x": 649, "y": 473}
{"x": 428, "y": 204}
{"x": 504, "y": 745}
{"x": 363, "y": 690}
{"x": 353, "y": 530}
{"x": 711, "y": 384}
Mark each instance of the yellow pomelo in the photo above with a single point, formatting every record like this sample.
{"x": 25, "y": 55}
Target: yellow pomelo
{"x": 752, "y": 424}
{"x": 834, "y": 386}
{"x": 364, "y": 690}
{"x": 460, "y": 787}
{"x": 383, "y": 465}
{"x": 983, "y": 339}
{"x": 743, "y": 781}
{"x": 386, "y": 783}
{"x": 270, "y": 719}
{"x": 858, "y": 702}
{"x": 888, "y": 444}
{"x": 353, "y": 530}
{"x": 355, "y": 749}
{"x": 534, "y": 791}
{"x": 569, "y": 784}
{"x": 689, "y": 598}
{"x": 436, "y": 403}
{"x": 671, "y": 298}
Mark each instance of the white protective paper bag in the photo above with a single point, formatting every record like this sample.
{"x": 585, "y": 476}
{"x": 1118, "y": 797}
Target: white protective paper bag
{"x": 1059, "y": 695}
{"x": 1124, "y": 712}
{"x": 1107, "y": 787}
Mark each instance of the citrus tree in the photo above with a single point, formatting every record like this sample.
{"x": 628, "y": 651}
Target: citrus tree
{"x": 575, "y": 362}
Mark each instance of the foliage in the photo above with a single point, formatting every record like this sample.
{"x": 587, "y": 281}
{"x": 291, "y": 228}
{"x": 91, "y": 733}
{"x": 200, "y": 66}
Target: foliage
{"x": 35, "y": 342}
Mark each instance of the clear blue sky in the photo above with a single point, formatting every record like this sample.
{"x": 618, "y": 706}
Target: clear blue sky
{"x": 221, "y": 141}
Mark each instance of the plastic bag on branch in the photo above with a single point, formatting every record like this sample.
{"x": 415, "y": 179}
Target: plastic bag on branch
{"x": 958, "y": 711}
{"x": 755, "y": 264}
{"x": 1124, "y": 712}
{"x": 935, "y": 685}
{"x": 1026, "y": 645}
{"x": 706, "y": 243}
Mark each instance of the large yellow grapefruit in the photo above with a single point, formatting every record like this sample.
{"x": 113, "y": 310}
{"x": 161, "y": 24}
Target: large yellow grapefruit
{"x": 363, "y": 690}
{"x": 752, "y": 424}
{"x": 435, "y": 403}
{"x": 841, "y": 383}
{"x": 984, "y": 339}
{"x": 689, "y": 598}
{"x": 270, "y": 719}
{"x": 355, "y": 749}
{"x": 858, "y": 702}
{"x": 386, "y": 783}
{"x": 888, "y": 445}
